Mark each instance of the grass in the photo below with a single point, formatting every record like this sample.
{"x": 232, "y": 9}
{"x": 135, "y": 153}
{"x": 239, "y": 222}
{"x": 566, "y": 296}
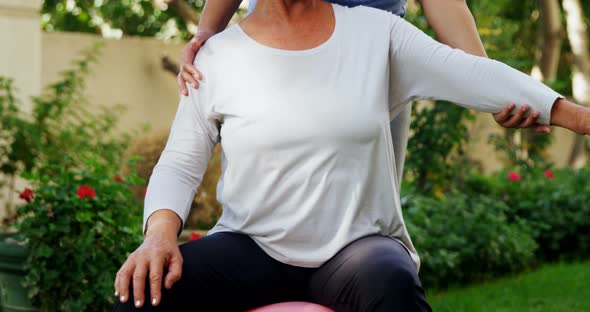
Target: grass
{"x": 563, "y": 287}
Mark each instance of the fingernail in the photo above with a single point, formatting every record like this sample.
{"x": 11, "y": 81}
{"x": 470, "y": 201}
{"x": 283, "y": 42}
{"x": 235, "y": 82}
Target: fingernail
{"x": 196, "y": 77}
{"x": 122, "y": 298}
{"x": 154, "y": 301}
{"x": 194, "y": 85}
{"x": 116, "y": 293}
{"x": 137, "y": 303}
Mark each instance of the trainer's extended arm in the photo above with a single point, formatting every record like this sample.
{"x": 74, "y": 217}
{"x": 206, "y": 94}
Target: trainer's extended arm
{"x": 454, "y": 25}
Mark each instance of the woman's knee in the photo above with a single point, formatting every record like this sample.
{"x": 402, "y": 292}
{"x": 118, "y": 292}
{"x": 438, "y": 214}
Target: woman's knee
{"x": 383, "y": 274}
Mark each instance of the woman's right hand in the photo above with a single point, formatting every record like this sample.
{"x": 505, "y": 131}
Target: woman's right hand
{"x": 159, "y": 251}
{"x": 188, "y": 72}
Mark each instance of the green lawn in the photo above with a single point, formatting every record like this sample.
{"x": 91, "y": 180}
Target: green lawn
{"x": 552, "y": 288}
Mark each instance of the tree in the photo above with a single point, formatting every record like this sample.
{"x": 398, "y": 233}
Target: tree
{"x": 551, "y": 38}
{"x": 162, "y": 18}
{"x": 577, "y": 32}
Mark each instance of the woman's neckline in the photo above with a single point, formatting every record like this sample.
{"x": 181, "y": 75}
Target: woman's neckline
{"x": 309, "y": 51}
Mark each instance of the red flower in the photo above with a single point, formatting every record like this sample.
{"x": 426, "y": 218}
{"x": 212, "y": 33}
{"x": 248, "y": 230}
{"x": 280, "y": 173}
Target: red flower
{"x": 194, "y": 236}
{"x": 514, "y": 176}
{"x": 549, "y": 174}
{"x": 144, "y": 192}
{"x": 85, "y": 191}
{"x": 119, "y": 179}
{"x": 27, "y": 195}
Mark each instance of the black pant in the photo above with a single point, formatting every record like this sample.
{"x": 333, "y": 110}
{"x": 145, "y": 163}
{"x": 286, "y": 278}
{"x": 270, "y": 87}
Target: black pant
{"x": 229, "y": 272}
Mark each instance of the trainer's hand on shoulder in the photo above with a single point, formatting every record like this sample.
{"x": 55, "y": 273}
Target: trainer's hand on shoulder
{"x": 519, "y": 119}
{"x": 158, "y": 251}
{"x": 188, "y": 72}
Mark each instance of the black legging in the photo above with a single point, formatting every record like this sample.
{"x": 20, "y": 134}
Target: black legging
{"x": 229, "y": 272}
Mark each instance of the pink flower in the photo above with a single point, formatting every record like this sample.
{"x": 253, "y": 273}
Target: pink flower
{"x": 549, "y": 174}
{"x": 85, "y": 191}
{"x": 514, "y": 176}
{"x": 26, "y": 195}
{"x": 194, "y": 236}
{"x": 118, "y": 179}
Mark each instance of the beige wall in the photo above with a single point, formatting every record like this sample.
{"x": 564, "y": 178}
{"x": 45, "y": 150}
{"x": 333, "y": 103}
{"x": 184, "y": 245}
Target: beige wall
{"x": 20, "y": 59}
{"x": 20, "y": 45}
{"x": 128, "y": 72}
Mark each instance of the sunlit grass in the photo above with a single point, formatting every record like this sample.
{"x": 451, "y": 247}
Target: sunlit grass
{"x": 552, "y": 288}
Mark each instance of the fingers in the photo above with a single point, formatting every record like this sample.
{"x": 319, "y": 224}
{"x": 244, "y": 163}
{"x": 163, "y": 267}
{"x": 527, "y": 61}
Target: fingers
{"x": 123, "y": 278}
{"x": 182, "y": 85}
{"x": 188, "y": 72}
{"x": 193, "y": 71}
{"x": 139, "y": 277}
{"x": 543, "y": 128}
{"x": 530, "y": 120}
{"x": 190, "y": 79}
{"x": 504, "y": 115}
{"x": 174, "y": 270}
{"x": 515, "y": 119}
{"x": 520, "y": 120}
{"x": 187, "y": 76}
{"x": 156, "y": 271}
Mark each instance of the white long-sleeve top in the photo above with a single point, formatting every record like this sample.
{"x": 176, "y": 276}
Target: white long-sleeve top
{"x": 308, "y": 164}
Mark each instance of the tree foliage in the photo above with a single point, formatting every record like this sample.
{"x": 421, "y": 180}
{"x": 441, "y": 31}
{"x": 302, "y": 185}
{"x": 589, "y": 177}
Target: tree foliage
{"x": 128, "y": 17}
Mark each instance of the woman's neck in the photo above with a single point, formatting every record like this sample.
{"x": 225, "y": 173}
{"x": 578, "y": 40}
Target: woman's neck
{"x": 290, "y": 24}
{"x": 285, "y": 11}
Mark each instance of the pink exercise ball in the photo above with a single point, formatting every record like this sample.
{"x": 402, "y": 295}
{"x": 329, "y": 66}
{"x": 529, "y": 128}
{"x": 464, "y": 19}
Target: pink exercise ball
{"x": 294, "y": 306}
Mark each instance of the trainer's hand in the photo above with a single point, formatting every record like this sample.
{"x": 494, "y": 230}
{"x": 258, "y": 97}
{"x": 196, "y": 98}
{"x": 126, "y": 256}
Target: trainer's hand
{"x": 519, "y": 119}
{"x": 188, "y": 72}
{"x": 159, "y": 250}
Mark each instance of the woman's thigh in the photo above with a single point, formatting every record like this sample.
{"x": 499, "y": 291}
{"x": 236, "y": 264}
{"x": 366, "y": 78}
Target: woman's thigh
{"x": 374, "y": 273}
{"x": 227, "y": 272}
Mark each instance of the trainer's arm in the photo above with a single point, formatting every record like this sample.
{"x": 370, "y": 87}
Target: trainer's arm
{"x": 454, "y": 25}
{"x": 422, "y": 68}
{"x": 214, "y": 18}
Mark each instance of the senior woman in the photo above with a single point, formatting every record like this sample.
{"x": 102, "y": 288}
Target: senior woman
{"x": 309, "y": 184}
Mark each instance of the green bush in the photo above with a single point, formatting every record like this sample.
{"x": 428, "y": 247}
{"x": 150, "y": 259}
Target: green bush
{"x": 79, "y": 222}
{"x": 437, "y": 141}
{"x": 463, "y": 239}
{"x": 556, "y": 204}
{"x": 79, "y": 228}
{"x": 60, "y": 129}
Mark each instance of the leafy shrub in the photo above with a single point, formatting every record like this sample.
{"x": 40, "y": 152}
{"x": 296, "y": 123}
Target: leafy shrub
{"x": 205, "y": 208}
{"x": 556, "y": 204}
{"x": 79, "y": 221}
{"x": 79, "y": 228}
{"x": 61, "y": 129}
{"x": 439, "y": 135}
{"x": 464, "y": 239}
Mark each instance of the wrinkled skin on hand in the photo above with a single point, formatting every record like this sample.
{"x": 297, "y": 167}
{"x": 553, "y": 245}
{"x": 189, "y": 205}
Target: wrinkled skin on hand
{"x": 158, "y": 251}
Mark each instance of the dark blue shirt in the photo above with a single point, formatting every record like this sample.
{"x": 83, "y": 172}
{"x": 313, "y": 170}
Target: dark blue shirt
{"x": 397, "y": 7}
